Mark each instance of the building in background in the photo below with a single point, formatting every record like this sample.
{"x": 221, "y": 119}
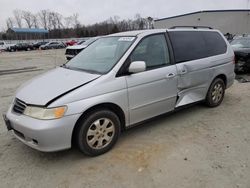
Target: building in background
{"x": 26, "y": 33}
{"x": 235, "y": 22}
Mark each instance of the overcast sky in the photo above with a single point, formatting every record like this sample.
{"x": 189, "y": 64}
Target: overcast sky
{"x": 92, "y": 11}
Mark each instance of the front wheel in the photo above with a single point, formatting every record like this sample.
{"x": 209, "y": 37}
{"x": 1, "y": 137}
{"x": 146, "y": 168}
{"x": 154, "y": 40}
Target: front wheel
{"x": 98, "y": 133}
{"x": 215, "y": 93}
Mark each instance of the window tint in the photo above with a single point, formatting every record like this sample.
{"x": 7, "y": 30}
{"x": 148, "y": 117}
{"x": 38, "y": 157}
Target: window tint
{"x": 153, "y": 50}
{"x": 215, "y": 43}
{"x": 191, "y": 45}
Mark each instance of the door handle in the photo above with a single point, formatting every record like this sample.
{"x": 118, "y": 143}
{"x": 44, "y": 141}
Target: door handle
{"x": 183, "y": 71}
{"x": 170, "y": 75}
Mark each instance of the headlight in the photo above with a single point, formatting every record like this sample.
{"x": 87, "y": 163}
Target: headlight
{"x": 45, "y": 113}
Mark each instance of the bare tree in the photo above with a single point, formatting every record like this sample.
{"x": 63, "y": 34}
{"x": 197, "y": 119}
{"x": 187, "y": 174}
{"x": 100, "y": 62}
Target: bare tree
{"x": 59, "y": 18}
{"x": 28, "y": 18}
{"x": 68, "y": 22}
{"x": 55, "y": 20}
{"x": 9, "y": 23}
{"x": 35, "y": 20}
{"x": 140, "y": 23}
{"x": 70, "y": 26}
{"x": 18, "y": 17}
{"x": 72, "y": 21}
{"x": 44, "y": 18}
{"x": 75, "y": 20}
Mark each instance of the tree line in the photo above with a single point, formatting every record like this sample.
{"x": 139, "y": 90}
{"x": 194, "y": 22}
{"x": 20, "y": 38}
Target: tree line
{"x": 70, "y": 26}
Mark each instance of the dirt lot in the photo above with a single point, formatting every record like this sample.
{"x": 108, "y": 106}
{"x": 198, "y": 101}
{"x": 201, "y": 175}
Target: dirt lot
{"x": 196, "y": 147}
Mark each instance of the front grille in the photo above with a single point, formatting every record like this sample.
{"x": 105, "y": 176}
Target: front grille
{"x": 70, "y": 52}
{"x": 73, "y": 51}
{"x": 19, "y": 106}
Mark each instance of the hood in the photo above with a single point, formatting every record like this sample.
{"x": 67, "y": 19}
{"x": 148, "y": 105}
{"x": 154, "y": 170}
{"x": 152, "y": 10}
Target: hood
{"x": 46, "y": 87}
{"x": 243, "y": 50}
{"x": 76, "y": 47}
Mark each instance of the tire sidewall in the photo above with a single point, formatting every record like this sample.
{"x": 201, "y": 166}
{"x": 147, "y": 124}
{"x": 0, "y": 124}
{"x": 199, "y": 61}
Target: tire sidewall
{"x": 86, "y": 123}
{"x": 209, "y": 99}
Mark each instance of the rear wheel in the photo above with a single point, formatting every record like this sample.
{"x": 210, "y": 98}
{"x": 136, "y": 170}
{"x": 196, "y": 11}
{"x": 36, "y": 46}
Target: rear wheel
{"x": 98, "y": 133}
{"x": 215, "y": 94}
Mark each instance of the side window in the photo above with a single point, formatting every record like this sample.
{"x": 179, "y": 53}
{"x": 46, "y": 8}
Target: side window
{"x": 192, "y": 45}
{"x": 153, "y": 50}
{"x": 215, "y": 43}
{"x": 188, "y": 45}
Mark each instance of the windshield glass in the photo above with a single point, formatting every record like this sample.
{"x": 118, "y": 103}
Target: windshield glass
{"x": 89, "y": 41}
{"x": 241, "y": 43}
{"x": 102, "y": 55}
{"x": 81, "y": 42}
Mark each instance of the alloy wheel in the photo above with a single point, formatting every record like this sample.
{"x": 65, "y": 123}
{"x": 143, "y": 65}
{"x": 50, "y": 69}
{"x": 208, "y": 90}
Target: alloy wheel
{"x": 100, "y": 133}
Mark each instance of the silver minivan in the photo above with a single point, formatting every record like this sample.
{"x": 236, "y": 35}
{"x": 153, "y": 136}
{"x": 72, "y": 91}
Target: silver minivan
{"x": 118, "y": 81}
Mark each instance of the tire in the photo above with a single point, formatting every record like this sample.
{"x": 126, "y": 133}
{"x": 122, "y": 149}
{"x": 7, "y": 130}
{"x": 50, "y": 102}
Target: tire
{"x": 216, "y": 92}
{"x": 92, "y": 138}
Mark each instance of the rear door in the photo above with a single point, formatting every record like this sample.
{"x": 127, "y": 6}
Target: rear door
{"x": 195, "y": 55}
{"x": 154, "y": 91}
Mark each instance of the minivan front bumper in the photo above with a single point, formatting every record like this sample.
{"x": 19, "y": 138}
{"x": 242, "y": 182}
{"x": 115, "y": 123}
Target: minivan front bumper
{"x": 43, "y": 135}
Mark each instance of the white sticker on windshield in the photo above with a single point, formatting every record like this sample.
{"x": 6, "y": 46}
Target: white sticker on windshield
{"x": 129, "y": 39}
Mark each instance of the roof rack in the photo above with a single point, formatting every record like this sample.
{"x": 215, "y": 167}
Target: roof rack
{"x": 194, "y": 27}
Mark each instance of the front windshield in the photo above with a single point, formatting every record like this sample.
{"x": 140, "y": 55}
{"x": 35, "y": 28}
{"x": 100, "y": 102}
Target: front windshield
{"x": 89, "y": 41}
{"x": 241, "y": 43}
{"x": 81, "y": 42}
{"x": 101, "y": 55}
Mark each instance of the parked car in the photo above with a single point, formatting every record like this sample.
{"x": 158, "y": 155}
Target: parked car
{"x": 20, "y": 47}
{"x": 241, "y": 47}
{"x": 72, "y": 51}
{"x": 119, "y": 81}
{"x": 71, "y": 43}
{"x": 38, "y": 44}
{"x": 81, "y": 42}
{"x": 52, "y": 45}
{"x": 3, "y": 46}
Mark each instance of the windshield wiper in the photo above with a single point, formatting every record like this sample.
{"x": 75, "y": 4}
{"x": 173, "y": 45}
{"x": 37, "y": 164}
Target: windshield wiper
{"x": 80, "y": 69}
{"x": 64, "y": 66}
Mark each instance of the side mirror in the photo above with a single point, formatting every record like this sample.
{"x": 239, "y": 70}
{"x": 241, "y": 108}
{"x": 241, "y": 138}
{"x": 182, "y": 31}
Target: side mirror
{"x": 137, "y": 66}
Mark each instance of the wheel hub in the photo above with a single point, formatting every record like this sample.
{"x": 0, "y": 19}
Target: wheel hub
{"x": 100, "y": 133}
{"x": 217, "y": 92}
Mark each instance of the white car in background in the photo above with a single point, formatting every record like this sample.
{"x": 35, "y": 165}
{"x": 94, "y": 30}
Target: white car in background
{"x": 3, "y": 46}
{"x": 72, "y": 51}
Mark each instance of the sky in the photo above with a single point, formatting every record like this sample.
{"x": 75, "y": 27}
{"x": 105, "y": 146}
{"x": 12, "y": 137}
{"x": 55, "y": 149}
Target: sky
{"x": 92, "y": 11}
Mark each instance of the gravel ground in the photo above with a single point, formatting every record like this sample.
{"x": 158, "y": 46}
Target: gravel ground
{"x": 194, "y": 147}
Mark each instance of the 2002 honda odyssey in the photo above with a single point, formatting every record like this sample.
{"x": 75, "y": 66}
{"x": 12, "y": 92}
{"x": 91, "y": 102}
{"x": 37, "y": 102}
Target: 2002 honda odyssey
{"x": 118, "y": 81}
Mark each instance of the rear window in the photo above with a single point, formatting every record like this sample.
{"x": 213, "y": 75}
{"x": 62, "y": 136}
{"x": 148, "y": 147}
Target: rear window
{"x": 192, "y": 45}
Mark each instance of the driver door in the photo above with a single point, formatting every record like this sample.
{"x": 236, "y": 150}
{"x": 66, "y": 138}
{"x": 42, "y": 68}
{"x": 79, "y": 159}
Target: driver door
{"x": 154, "y": 91}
